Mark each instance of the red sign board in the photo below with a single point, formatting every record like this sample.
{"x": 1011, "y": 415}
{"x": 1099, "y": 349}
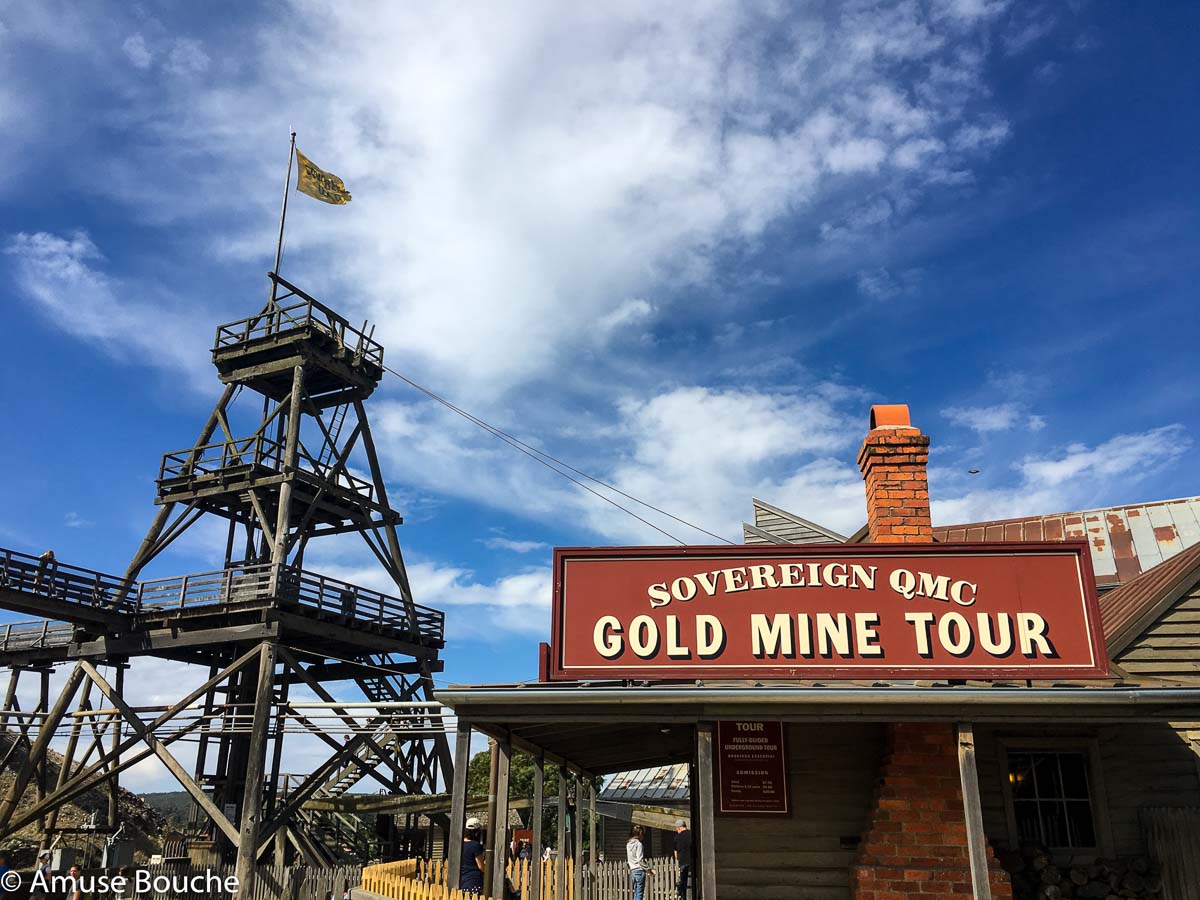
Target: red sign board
{"x": 751, "y": 769}
{"x": 1024, "y": 610}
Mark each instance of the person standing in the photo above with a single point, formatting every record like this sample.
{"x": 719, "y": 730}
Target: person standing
{"x": 636, "y": 858}
{"x": 683, "y": 856}
{"x": 3, "y": 871}
{"x": 470, "y": 873}
{"x": 75, "y": 873}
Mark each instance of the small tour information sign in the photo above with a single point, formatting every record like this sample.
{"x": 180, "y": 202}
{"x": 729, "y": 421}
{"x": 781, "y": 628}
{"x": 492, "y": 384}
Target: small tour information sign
{"x": 751, "y": 769}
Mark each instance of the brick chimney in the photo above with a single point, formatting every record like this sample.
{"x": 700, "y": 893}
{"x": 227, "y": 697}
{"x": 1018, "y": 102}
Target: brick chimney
{"x": 915, "y": 845}
{"x": 893, "y": 460}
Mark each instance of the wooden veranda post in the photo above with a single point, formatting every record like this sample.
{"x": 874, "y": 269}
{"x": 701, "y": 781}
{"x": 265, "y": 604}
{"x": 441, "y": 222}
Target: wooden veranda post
{"x": 577, "y": 849}
{"x": 489, "y": 842}
{"x": 256, "y": 765}
{"x": 535, "y": 862}
{"x": 707, "y": 882}
{"x": 977, "y": 845}
{"x": 458, "y": 804}
{"x": 593, "y": 856}
{"x": 499, "y": 824}
{"x": 560, "y": 868}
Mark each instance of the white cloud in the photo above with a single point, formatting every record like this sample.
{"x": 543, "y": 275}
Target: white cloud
{"x": 1035, "y": 423}
{"x": 61, "y": 275}
{"x": 985, "y": 136}
{"x": 1073, "y": 478}
{"x": 503, "y": 543}
{"x": 519, "y": 175}
{"x": 1000, "y": 417}
{"x": 628, "y": 313}
{"x": 883, "y": 284}
{"x": 856, "y": 155}
{"x": 911, "y": 154}
{"x": 187, "y": 57}
{"x": 74, "y": 520}
{"x": 1123, "y": 455}
{"x": 969, "y": 11}
{"x": 136, "y": 50}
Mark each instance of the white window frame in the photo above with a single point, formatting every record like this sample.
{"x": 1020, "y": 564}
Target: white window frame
{"x": 1090, "y": 748}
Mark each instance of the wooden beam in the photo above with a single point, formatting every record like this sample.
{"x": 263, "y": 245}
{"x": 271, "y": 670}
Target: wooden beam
{"x": 40, "y": 746}
{"x": 977, "y": 845}
{"x": 707, "y": 832}
{"x": 252, "y": 813}
{"x": 499, "y": 826}
{"x": 280, "y": 548}
{"x": 164, "y": 755}
{"x": 458, "y": 804}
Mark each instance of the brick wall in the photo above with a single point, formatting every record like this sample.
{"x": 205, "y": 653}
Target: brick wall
{"x": 915, "y": 846}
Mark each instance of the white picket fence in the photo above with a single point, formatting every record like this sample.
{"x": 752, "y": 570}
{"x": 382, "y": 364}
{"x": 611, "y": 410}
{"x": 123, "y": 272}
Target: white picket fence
{"x": 611, "y": 881}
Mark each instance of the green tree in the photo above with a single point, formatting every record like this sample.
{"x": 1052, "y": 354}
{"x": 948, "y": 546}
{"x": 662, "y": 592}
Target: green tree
{"x": 520, "y": 787}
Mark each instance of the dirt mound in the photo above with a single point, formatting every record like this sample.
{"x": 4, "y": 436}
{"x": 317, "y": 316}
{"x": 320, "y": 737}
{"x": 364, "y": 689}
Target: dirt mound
{"x": 143, "y": 826}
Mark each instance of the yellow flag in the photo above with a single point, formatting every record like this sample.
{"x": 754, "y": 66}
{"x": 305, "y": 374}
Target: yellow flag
{"x": 318, "y": 183}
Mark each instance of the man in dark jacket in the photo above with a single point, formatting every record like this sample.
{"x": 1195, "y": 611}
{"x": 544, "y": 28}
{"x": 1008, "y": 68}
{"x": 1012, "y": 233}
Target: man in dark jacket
{"x": 683, "y": 856}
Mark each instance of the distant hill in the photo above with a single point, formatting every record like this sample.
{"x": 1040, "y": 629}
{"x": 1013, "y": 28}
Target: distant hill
{"x": 174, "y": 806}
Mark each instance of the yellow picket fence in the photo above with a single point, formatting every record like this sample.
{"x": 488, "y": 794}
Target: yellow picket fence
{"x": 413, "y": 879}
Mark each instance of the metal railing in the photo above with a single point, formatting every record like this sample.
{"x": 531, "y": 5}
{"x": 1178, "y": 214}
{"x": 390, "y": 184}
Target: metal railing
{"x": 46, "y": 577}
{"x": 257, "y": 451}
{"x": 306, "y": 314}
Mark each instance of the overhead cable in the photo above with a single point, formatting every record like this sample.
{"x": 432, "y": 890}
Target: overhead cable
{"x": 552, "y": 462}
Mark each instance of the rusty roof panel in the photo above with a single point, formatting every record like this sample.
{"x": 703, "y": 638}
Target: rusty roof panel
{"x": 1125, "y": 540}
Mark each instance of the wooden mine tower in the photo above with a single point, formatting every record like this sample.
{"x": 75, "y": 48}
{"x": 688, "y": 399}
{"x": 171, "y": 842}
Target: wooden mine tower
{"x": 296, "y": 378}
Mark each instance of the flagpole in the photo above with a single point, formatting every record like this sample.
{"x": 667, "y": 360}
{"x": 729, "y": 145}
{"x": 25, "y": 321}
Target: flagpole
{"x": 287, "y": 182}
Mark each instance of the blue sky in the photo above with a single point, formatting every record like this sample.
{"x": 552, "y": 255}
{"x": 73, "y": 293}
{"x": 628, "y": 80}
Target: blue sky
{"x": 682, "y": 246}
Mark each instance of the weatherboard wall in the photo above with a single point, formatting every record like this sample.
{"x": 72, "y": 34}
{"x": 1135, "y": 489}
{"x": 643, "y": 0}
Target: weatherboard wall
{"x": 1170, "y": 647}
{"x": 806, "y": 855}
{"x": 1137, "y": 765}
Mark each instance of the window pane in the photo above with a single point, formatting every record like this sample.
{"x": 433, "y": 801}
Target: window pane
{"x": 1054, "y": 823}
{"x": 1028, "y": 826}
{"x": 1051, "y": 799}
{"x": 1049, "y": 780}
{"x": 1020, "y": 775}
{"x": 1081, "y": 828}
{"x": 1074, "y": 775}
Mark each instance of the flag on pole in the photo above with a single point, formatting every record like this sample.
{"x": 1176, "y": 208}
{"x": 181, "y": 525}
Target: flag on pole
{"x": 318, "y": 183}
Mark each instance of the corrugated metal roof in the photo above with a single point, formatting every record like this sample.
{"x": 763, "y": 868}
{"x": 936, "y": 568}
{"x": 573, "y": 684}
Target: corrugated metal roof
{"x": 1125, "y": 607}
{"x": 1125, "y": 540}
{"x": 657, "y": 783}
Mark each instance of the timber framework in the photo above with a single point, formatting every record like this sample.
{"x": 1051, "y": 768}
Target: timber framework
{"x": 273, "y": 462}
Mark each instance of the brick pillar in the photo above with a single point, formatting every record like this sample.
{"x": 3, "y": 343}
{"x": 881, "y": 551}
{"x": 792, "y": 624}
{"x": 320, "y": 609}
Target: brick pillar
{"x": 915, "y": 845}
{"x": 916, "y": 840}
{"x": 893, "y": 460}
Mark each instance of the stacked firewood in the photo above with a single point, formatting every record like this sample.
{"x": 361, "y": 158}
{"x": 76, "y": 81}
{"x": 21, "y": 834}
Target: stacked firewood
{"x": 1035, "y": 876}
